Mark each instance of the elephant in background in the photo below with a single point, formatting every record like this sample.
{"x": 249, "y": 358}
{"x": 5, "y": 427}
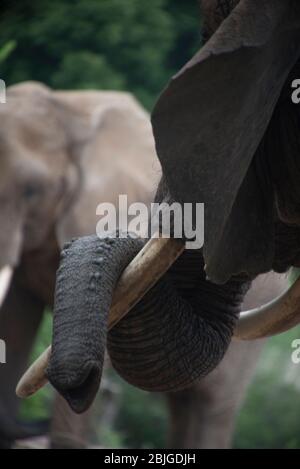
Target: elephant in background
{"x": 227, "y": 135}
{"x": 61, "y": 154}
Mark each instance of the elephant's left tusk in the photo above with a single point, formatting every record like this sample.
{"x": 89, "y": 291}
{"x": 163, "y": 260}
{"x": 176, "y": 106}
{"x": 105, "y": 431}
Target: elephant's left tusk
{"x": 5, "y": 279}
{"x": 276, "y": 317}
{"x": 140, "y": 275}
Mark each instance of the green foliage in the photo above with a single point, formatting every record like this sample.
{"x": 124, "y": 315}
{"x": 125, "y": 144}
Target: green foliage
{"x": 133, "y": 45}
{"x": 142, "y": 419}
{"x": 6, "y": 50}
{"x": 38, "y": 406}
{"x": 98, "y": 73}
{"x": 270, "y": 415}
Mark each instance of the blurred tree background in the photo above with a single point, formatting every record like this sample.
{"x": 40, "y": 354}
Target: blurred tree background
{"x": 136, "y": 45}
{"x": 131, "y": 45}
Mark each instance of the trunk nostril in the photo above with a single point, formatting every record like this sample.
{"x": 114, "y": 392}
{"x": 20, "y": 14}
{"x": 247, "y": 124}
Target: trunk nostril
{"x": 79, "y": 390}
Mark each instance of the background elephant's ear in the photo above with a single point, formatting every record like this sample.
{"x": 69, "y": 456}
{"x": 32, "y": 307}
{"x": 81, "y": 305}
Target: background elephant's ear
{"x": 210, "y": 120}
{"x": 117, "y": 157}
{"x": 75, "y": 125}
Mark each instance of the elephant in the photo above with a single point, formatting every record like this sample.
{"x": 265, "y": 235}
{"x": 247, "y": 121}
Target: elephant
{"x": 225, "y": 131}
{"x": 61, "y": 154}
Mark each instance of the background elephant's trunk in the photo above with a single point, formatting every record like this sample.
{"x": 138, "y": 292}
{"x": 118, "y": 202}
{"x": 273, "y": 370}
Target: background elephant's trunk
{"x": 176, "y": 334}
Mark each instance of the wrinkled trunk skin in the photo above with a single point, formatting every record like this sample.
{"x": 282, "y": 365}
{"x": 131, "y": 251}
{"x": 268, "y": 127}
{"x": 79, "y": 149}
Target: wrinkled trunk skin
{"x": 86, "y": 280}
{"x": 178, "y": 333}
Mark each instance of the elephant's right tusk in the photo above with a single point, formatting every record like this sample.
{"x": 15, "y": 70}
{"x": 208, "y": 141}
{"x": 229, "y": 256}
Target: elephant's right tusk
{"x": 276, "y": 317}
{"x": 35, "y": 377}
{"x": 5, "y": 279}
{"x": 139, "y": 276}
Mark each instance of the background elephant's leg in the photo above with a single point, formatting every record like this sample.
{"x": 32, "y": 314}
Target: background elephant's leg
{"x": 203, "y": 416}
{"x": 195, "y": 423}
{"x": 69, "y": 430}
{"x": 201, "y": 423}
{"x": 184, "y": 422}
{"x": 20, "y": 317}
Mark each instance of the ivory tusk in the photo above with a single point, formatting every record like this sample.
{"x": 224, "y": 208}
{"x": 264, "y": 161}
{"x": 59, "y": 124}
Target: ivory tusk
{"x": 35, "y": 377}
{"x": 276, "y": 317}
{"x": 5, "y": 279}
{"x": 140, "y": 275}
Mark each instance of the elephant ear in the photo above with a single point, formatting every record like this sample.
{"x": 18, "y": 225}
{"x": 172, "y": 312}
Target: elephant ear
{"x": 112, "y": 145}
{"x": 209, "y": 123}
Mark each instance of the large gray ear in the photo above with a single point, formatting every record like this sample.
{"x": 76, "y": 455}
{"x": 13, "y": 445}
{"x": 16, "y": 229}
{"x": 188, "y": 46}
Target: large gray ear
{"x": 75, "y": 122}
{"x": 77, "y": 216}
{"x": 118, "y": 156}
{"x": 208, "y": 125}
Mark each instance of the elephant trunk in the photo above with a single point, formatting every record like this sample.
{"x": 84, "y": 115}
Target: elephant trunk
{"x": 178, "y": 333}
{"x": 86, "y": 278}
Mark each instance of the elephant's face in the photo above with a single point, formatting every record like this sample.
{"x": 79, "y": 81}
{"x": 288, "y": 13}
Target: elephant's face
{"x": 36, "y": 172}
{"x": 29, "y": 188}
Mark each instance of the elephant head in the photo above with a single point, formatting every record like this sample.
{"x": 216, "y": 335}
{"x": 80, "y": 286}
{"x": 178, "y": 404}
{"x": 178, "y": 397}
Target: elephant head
{"x": 226, "y": 134}
{"x": 59, "y": 159}
{"x": 39, "y": 175}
